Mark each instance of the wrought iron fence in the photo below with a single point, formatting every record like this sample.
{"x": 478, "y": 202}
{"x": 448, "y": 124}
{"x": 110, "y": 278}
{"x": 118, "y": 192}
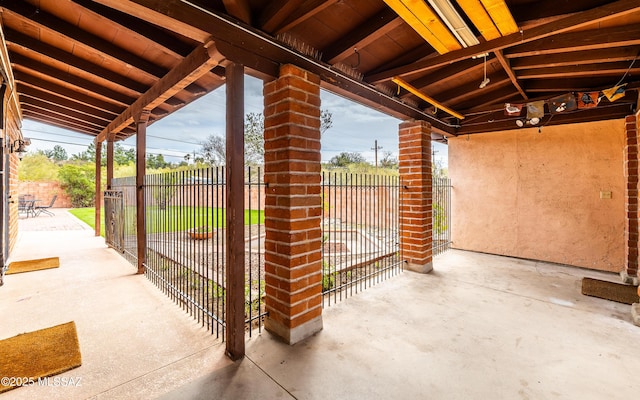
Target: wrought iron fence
{"x": 441, "y": 216}
{"x": 185, "y": 224}
{"x": 360, "y": 232}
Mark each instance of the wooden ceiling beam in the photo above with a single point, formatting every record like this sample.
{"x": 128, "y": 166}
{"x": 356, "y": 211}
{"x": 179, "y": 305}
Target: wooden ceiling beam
{"x": 155, "y": 34}
{"x": 22, "y": 63}
{"x": 239, "y": 9}
{"x": 364, "y": 34}
{"x": 199, "y": 62}
{"x": 566, "y": 85}
{"x": 604, "y": 38}
{"x": 276, "y": 12}
{"x": 576, "y": 58}
{"x": 272, "y": 54}
{"x": 599, "y": 14}
{"x": 30, "y": 15}
{"x": 307, "y": 9}
{"x": 26, "y": 42}
{"x": 507, "y": 68}
{"x": 585, "y": 70}
{"x": 61, "y": 118}
{"x": 543, "y": 9}
{"x": 466, "y": 92}
{"x": 55, "y": 108}
{"x": 446, "y": 74}
{"x": 34, "y": 116}
{"x": 25, "y": 78}
{"x": 63, "y": 102}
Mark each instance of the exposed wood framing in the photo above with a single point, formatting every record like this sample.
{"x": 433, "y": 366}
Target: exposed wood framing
{"x": 507, "y": 68}
{"x": 199, "y": 62}
{"x": 599, "y": 14}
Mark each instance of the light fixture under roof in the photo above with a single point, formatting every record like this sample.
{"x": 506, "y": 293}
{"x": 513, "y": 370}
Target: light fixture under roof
{"x": 454, "y": 22}
{"x": 486, "y": 80}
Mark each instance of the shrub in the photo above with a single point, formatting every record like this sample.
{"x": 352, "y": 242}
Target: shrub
{"x": 79, "y": 183}
{"x": 37, "y": 167}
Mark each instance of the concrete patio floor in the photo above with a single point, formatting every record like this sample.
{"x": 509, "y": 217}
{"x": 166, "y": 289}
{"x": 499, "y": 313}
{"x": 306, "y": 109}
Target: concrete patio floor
{"x": 478, "y": 327}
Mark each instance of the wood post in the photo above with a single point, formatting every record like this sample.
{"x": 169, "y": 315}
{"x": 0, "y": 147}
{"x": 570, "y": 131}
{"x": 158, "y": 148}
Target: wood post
{"x": 235, "y": 346}
{"x": 109, "y": 163}
{"x": 98, "y": 198}
{"x": 141, "y": 157}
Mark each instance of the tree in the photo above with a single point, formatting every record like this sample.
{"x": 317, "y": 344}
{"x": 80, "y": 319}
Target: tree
{"x": 213, "y": 150}
{"x": 326, "y": 121}
{"x": 254, "y": 138}
{"x": 345, "y": 158}
{"x": 58, "y": 153}
{"x": 122, "y": 156}
{"x": 156, "y": 161}
{"x": 388, "y": 160}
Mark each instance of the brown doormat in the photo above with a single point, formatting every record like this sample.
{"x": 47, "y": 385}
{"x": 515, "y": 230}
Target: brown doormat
{"x": 38, "y": 354}
{"x": 618, "y": 292}
{"x": 17, "y": 267}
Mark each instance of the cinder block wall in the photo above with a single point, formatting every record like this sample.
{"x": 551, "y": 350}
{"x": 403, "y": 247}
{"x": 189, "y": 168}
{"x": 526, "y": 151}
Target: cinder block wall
{"x": 44, "y": 191}
{"x": 542, "y": 196}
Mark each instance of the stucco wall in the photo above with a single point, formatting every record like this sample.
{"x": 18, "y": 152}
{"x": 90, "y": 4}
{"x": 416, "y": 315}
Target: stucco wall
{"x": 538, "y": 195}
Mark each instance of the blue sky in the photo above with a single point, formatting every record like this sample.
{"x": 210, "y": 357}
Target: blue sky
{"x": 355, "y": 128}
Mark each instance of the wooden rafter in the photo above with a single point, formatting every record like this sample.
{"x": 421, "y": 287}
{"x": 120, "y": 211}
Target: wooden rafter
{"x": 31, "y": 16}
{"x": 54, "y": 98}
{"x": 36, "y": 46}
{"x": 20, "y": 62}
{"x": 199, "y": 62}
{"x": 239, "y": 9}
{"x": 512, "y": 76}
{"x": 170, "y": 43}
{"x": 307, "y": 10}
{"x": 596, "y": 39}
{"x": 364, "y": 34}
{"x": 27, "y": 79}
{"x": 599, "y": 14}
{"x": 575, "y": 58}
{"x": 585, "y": 70}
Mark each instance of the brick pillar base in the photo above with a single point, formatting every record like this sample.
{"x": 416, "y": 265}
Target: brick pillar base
{"x": 293, "y": 205}
{"x": 416, "y": 240}
{"x": 630, "y": 272}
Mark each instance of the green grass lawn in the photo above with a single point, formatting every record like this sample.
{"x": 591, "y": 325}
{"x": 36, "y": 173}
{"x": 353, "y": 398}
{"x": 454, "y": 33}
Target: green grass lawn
{"x": 173, "y": 218}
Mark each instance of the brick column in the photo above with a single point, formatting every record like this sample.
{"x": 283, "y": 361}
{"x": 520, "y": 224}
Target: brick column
{"x": 416, "y": 239}
{"x": 293, "y": 205}
{"x": 630, "y": 272}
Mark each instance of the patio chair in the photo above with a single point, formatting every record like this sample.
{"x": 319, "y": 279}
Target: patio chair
{"x": 26, "y": 205}
{"x": 45, "y": 209}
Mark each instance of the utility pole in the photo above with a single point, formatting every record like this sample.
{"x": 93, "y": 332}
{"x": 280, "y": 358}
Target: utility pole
{"x": 376, "y": 148}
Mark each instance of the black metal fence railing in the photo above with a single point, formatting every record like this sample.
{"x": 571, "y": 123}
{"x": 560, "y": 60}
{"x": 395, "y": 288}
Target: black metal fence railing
{"x": 441, "y": 216}
{"x": 360, "y": 232}
{"x": 185, "y": 224}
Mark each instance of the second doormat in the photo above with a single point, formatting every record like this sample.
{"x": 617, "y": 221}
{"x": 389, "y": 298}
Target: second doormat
{"x": 617, "y": 292}
{"x": 18, "y": 267}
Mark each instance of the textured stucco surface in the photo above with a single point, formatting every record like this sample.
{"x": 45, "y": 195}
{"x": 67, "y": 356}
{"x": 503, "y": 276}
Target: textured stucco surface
{"x": 537, "y": 195}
